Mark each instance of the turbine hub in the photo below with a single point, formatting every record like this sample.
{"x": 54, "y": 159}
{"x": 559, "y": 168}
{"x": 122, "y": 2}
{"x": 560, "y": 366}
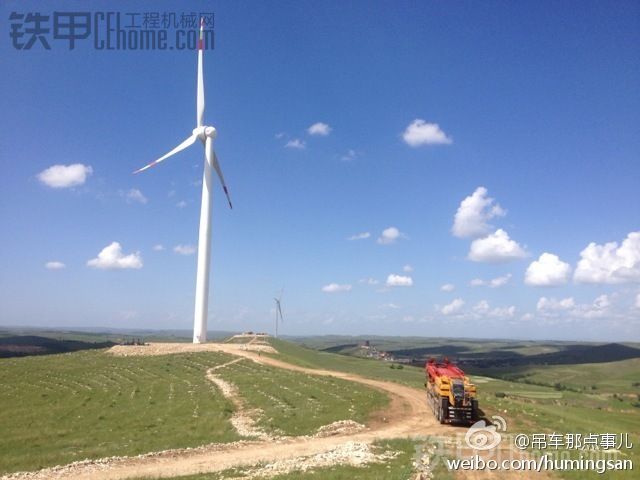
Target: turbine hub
{"x": 204, "y": 132}
{"x": 199, "y": 131}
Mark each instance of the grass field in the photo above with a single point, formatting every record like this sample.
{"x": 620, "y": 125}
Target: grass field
{"x": 60, "y": 408}
{"x": 622, "y": 378}
{"x": 377, "y": 369}
{"x": 57, "y": 409}
{"x": 297, "y": 404}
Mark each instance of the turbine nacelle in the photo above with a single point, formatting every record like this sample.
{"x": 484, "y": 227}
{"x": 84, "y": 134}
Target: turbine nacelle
{"x": 205, "y": 132}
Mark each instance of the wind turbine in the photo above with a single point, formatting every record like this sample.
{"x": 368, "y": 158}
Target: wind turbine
{"x": 278, "y": 310}
{"x": 206, "y": 134}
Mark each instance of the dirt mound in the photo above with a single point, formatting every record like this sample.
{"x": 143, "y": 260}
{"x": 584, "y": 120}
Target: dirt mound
{"x": 341, "y": 427}
{"x": 357, "y": 454}
{"x": 174, "y": 348}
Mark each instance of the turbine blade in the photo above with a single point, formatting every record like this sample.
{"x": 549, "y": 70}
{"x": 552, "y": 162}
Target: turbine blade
{"x": 216, "y": 165}
{"x": 187, "y": 143}
{"x": 200, "y": 98}
{"x": 280, "y": 310}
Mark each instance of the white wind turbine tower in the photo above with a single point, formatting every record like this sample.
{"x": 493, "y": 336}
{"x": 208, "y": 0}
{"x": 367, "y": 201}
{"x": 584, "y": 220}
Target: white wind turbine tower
{"x": 279, "y": 317}
{"x": 206, "y": 135}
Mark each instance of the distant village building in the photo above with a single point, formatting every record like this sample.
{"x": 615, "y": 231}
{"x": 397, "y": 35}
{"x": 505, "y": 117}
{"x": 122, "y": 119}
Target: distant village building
{"x": 370, "y": 351}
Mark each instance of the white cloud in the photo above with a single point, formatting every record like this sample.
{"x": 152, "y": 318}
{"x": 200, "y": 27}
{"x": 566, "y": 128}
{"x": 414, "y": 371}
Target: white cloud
{"x": 482, "y": 307}
{"x": 394, "y": 280}
{"x": 598, "y": 309}
{"x": 390, "y": 235}
{"x": 390, "y": 305}
{"x": 551, "y": 304}
{"x": 493, "y": 283}
{"x": 319, "y": 128}
{"x": 350, "y": 155}
{"x": 296, "y": 143}
{"x": 280, "y": 135}
{"x": 407, "y": 268}
{"x": 419, "y": 132}
{"x": 568, "y": 308}
{"x": 112, "y": 258}
{"x": 499, "y": 281}
{"x": 503, "y": 312}
{"x": 638, "y": 301}
{"x": 135, "y": 195}
{"x": 54, "y": 265}
{"x": 184, "y": 249}
{"x": 495, "y": 248}
{"x": 602, "y": 301}
{"x": 335, "y": 288}
{"x": 547, "y": 271}
{"x": 64, "y": 176}
{"x": 129, "y": 315}
{"x": 181, "y": 204}
{"x": 453, "y": 307}
{"x": 473, "y": 214}
{"x": 448, "y": 287}
{"x": 369, "y": 281}
{"x": 158, "y": 248}
{"x": 359, "y": 236}
{"x": 609, "y": 263}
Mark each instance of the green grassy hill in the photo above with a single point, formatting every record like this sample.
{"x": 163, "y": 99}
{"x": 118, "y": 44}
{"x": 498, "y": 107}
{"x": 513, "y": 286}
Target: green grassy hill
{"x": 25, "y": 345}
{"x": 60, "y": 408}
{"x": 366, "y": 367}
{"x": 298, "y": 404}
{"x": 57, "y": 409}
{"x": 622, "y": 377}
{"x": 480, "y": 353}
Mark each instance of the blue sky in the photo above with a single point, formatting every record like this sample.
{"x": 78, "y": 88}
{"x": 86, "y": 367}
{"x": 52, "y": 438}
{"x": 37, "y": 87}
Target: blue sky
{"x": 531, "y": 111}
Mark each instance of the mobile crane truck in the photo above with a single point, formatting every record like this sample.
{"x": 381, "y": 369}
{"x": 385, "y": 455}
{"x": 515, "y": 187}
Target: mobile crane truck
{"x": 450, "y": 394}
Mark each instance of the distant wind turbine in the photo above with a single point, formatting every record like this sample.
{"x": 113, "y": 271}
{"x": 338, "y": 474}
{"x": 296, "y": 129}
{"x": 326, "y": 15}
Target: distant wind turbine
{"x": 206, "y": 134}
{"x": 279, "y": 317}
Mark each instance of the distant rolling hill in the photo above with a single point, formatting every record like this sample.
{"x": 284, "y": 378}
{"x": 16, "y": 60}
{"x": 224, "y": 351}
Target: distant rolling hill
{"x": 504, "y": 354}
{"x": 569, "y": 354}
{"x": 25, "y": 345}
